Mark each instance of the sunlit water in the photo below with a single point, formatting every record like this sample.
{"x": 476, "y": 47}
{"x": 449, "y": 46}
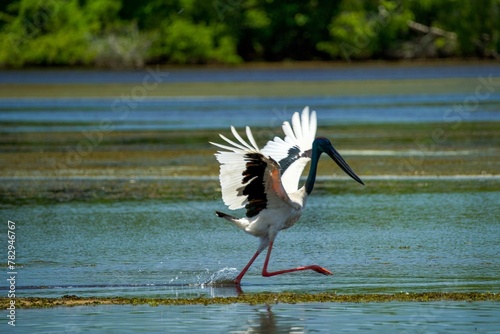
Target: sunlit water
{"x": 395, "y": 317}
{"x": 76, "y": 114}
{"x": 373, "y": 243}
{"x": 200, "y": 74}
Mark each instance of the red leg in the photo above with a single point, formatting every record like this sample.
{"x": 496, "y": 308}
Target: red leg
{"x": 314, "y": 267}
{"x": 237, "y": 280}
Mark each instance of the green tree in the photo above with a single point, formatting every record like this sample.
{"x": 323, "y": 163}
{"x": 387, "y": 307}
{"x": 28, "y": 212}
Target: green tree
{"x": 44, "y": 32}
{"x": 476, "y": 24}
{"x": 129, "y": 33}
{"x": 367, "y": 29}
{"x": 113, "y": 41}
{"x": 190, "y": 32}
{"x": 277, "y": 30}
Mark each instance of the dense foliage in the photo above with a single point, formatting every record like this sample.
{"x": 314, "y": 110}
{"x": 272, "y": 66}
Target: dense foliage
{"x": 128, "y": 33}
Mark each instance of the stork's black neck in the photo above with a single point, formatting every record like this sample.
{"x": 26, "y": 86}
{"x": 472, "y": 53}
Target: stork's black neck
{"x": 311, "y": 178}
{"x": 319, "y": 146}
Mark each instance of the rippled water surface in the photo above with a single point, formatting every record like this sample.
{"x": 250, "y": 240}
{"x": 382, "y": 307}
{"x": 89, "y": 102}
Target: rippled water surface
{"x": 75, "y": 114}
{"x": 450, "y": 317}
{"x": 165, "y": 113}
{"x": 380, "y": 242}
{"x": 372, "y": 243}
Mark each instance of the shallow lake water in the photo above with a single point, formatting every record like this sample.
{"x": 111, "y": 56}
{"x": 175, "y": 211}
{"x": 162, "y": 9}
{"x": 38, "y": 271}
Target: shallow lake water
{"x": 30, "y": 114}
{"x": 200, "y": 74}
{"x": 76, "y": 114}
{"x": 372, "y": 242}
{"x": 394, "y": 317}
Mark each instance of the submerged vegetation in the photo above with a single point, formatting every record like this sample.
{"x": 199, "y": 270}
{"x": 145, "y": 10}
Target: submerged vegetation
{"x": 125, "y": 33}
{"x": 254, "y": 299}
{"x": 179, "y": 165}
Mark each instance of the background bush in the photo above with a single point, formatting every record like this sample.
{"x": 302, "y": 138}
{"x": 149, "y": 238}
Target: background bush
{"x": 128, "y": 33}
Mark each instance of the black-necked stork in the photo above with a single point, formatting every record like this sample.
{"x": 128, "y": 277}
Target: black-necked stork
{"x": 266, "y": 181}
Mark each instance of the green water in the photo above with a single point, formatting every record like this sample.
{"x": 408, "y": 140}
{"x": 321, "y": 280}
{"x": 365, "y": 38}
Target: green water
{"x": 451, "y": 317}
{"x": 371, "y": 242}
{"x": 135, "y": 216}
{"x": 374, "y": 243}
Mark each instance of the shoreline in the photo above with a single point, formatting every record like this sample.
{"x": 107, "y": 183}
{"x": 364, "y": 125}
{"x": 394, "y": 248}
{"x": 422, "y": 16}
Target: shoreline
{"x": 245, "y": 88}
{"x": 253, "y": 299}
{"x": 285, "y": 64}
{"x": 44, "y": 167}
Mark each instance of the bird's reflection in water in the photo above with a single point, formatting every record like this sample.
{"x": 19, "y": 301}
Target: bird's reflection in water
{"x": 230, "y": 290}
{"x": 222, "y": 288}
{"x": 264, "y": 320}
{"x": 267, "y": 322}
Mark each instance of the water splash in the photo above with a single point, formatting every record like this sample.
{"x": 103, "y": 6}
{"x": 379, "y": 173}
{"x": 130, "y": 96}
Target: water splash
{"x": 224, "y": 276}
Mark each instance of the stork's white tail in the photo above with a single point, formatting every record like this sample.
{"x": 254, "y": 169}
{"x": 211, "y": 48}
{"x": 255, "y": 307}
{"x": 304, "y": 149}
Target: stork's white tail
{"x": 241, "y": 223}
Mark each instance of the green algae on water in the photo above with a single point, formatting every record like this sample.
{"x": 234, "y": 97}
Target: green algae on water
{"x": 254, "y": 299}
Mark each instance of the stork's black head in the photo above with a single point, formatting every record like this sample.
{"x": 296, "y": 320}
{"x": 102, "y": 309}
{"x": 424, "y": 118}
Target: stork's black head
{"x": 323, "y": 145}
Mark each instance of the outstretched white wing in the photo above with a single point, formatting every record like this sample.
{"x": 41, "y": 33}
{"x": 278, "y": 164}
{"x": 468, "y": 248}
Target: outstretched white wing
{"x": 248, "y": 178}
{"x": 294, "y": 152}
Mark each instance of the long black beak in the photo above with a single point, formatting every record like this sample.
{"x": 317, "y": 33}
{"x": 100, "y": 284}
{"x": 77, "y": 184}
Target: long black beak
{"x": 342, "y": 164}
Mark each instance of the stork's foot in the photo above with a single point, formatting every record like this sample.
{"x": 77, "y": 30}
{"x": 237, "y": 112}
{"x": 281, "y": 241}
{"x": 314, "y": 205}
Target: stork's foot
{"x": 320, "y": 270}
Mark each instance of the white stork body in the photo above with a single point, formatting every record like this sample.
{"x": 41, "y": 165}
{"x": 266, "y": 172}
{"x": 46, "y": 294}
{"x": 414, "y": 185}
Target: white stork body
{"x": 265, "y": 182}
{"x": 269, "y": 222}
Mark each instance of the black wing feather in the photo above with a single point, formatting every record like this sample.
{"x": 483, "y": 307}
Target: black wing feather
{"x": 253, "y": 177}
{"x": 293, "y": 155}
